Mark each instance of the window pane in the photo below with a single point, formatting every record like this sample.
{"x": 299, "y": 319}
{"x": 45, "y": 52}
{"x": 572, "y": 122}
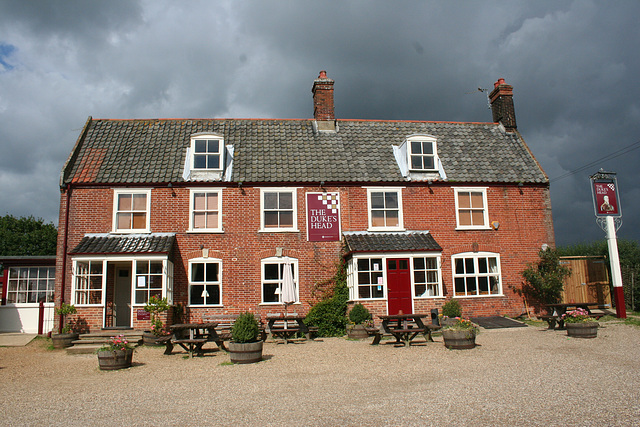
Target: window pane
{"x": 364, "y": 278}
{"x": 459, "y": 282}
{"x": 212, "y": 272}
{"x": 427, "y": 147}
{"x": 377, "y": 219}
{"x": 483, "y": 284}
{"x": 139, "y": 220}
{"x": 199, "y": 220}
{"x": 377, "y": 292}
{"x": 363, "y": 264}
{"x": 476, "y": 200}
{"x": 213, "y": 162}
{"x": 286, "y": 201}
{"x": 286, "y": 219}
{"x": 155, "y": 267}
{"x": 428, "y": 163}
{"x": 459, "y": 266}
{"x": 271, "y": 200}
{"x": 493, "y": 265}
{"x": 201, "y": 145}
{"x": 200, "y": 161}
{"x": 432, "y": 263}
{"x": 482, "y": 265}
{"x": 418, "y": 263}
{"x": 96, "y": 267}
{"x": 419, "y": 277}
{"x": 214, "y": 145}
{"x": 139, "y": 202}
{"x": 432, "y": 276}
{"x": 468, "y": 265}
{"x": 420, "y": 290}
{"x": 416, "y": 147}
{"x": 403, "y": 264}
{"x": 416, "y": 162}
{"x": 269, "y": 292}
{"x": 199, "y": 201}
{"x": 271, "y": 219}
{"x": 212, "y": 220}
{"x": 364, "y": 292}
{"x": 477, "y": 218}
{"x": 212, "y": 201}
{"x": 195, "y": 295}
{"x": 392, "y": 219}
{"x": 391, "y": 264}
{"x": 142, "y": 267}
{"x": 471, "y": 285}
{"x": 197, "y": 272}
{"x": 271, "y": 272}
{"x": 123, "y": 221}
{"x": 464, "y": 201}
{"x": 124, "y": 202}
{"x": 391, "y": 199}
{"x": 377, "y": 200}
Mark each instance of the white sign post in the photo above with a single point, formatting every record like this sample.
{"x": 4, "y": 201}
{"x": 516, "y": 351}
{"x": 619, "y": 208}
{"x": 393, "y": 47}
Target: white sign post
{"x": 606, "y": 204}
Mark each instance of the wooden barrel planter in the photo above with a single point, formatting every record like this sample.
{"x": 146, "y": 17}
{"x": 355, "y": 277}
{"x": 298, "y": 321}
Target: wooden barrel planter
{"x": 459, "y": 340}
{"x": 249, "y": 352}
{"x": 358, "y": 332}
{"x": 63, "y": 340}
{"x": 582, "y": 330}
{"x": 149, "y": 338}
{"x": 116, "y": 359}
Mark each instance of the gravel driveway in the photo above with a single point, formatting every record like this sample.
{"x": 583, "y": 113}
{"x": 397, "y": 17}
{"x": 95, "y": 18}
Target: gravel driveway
{"x": 521, "y": 376}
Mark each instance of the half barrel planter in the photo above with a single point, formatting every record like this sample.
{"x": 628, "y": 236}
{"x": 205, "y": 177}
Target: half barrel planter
{"x": 245, "y": 352}
{"x": 582, "y": 330}
{"x": 110, "y": 360}
{"x": 459, "y": 340}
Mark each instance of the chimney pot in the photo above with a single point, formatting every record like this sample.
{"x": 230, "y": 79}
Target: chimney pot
{"x": 323, "y": 74}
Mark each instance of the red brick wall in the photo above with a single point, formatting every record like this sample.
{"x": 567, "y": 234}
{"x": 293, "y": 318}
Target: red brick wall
{"x": 524, "y": 214}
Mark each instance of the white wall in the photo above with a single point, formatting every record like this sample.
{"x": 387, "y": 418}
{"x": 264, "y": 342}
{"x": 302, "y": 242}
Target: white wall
{"x": 24, "y": 318}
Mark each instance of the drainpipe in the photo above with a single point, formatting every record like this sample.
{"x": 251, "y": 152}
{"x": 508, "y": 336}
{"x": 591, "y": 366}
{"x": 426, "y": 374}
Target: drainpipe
{"x": 64, "y": 255}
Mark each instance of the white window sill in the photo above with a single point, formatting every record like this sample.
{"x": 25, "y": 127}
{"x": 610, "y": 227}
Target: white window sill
{"x": 278, "y": 304}
{"x": 429, "y": 297}
{"x": 278, "y": 230}
{"x": 204, "y": 231}
{"x": 140, "y": 231}
{"x": 484, "y": 227}
{"x": 205, "y": 306}
{"x": 478, "y": 296}
{"x": 385, "y": 229}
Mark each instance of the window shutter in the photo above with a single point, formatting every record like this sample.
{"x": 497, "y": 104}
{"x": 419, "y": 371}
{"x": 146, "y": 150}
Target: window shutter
{"x": 186, "y": 174}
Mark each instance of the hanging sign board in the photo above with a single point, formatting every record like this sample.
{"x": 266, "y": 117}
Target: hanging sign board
{"x": 606, "y": 201}
{"x": 323, "y": 217}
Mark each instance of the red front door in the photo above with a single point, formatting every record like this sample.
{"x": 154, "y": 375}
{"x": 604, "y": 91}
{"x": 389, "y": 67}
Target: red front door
{"x": 399, "y": 286}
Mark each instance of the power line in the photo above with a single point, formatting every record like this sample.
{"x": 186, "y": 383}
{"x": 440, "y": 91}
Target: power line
{"x": 613, "y": 155}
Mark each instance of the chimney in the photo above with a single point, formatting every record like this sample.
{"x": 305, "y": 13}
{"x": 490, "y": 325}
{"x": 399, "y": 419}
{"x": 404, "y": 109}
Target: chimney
{"x": 323, "y": 110}
{"x": 501, "y": 99}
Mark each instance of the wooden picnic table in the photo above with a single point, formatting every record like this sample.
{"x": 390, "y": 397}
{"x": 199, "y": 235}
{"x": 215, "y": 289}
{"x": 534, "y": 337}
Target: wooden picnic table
{"x": 560, "y": 309}
{"x": 280, "y": 325}
{"x": 405, "y": 328}
{"x": 192, "y": 337}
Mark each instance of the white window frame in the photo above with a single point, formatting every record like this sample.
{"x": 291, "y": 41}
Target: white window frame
{"x": 121, "y": 191}
{"x": 21, "y": 277}
{"x": 204, "y": 283}
{"x": 294, "y": 198}
{"x": 434, "y": 155}
{"x": 221, "y": 150}
{"x": 437, "y": 283}
{"x": 485, "y": 208}
{"x": 218, "y": 227}
{"x": 398, "y": 191}
{"x": 263, "y": 280}
{"x": 74, "y": 282}
{"x": 475, "y": 256}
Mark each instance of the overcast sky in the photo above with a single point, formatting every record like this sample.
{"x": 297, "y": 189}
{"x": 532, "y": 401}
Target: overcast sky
{"x": 574, "y": 66}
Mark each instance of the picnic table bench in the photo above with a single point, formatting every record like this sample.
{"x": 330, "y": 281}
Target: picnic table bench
{"x": 191, "y": 337}
{"x": 403, "y": 327}
{"x": 225, "y": 324}
{"x": 558, "y": 310}
{"x": 287, "y": 326}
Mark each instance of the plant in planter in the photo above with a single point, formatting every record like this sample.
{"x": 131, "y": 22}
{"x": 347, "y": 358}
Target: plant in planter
{"x": 461, "y": 334}
{"x": 359, "y": 316}
{"x": 117, "y": 353}
{"x": 450, "y": 311}
{"x": 245, "y": 346}
{"x": 579, "y": 324}
{"x": 68, "y": 334}
{"x": 155, "y": 306}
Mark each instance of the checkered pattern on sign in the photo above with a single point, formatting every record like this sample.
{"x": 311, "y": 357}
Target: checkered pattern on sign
{"x": 330, "y": 201}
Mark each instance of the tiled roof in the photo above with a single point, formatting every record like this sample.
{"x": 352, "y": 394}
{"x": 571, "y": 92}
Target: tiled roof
{"x": 155, "y": 243}
{"x": 361, "y": 241}
{"x": 153, "y": 151}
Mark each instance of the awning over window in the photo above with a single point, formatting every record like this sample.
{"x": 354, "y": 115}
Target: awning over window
{"x": 409, "y": 241}
{"x": 154, "y": 243}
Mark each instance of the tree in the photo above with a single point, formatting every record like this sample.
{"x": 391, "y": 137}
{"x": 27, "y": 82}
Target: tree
{"x": 544, "y": 281}
{"x": 26, "y": 236}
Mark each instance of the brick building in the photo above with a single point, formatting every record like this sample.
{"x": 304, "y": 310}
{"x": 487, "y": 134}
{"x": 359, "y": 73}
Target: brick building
{"x": 209, "y": 213}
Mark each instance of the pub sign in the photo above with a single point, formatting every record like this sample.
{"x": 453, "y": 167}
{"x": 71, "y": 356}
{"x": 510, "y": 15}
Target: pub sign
{"x": 606, "y": 201}
{"x": 323, "y": 217}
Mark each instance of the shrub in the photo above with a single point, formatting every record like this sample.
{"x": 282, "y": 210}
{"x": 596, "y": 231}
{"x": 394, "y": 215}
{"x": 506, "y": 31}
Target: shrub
{"x": 155, "y": 306}
{"x": 245, "y": 328}
{"x": 64, "y": 310}
{"x": 359, "y": 314}
{"x": 452, "y": 309}
{"x": 330, "y": 314}
{"x": 544, "y": 281}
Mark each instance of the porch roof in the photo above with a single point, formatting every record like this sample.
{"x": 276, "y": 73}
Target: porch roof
{"x": 413, "y": 241}
{"x": 154, "y": 243}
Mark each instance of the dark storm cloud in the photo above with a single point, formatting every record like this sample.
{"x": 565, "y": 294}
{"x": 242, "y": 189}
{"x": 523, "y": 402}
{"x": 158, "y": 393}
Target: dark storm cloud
{"x": 572, "y": 64}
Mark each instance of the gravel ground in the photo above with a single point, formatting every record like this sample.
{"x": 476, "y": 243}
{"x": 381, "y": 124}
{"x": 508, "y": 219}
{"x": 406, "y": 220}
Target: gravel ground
{"x": 522, "y": 376}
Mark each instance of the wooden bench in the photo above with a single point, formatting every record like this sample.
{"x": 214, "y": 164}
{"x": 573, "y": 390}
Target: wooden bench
{"x": 225, "y": 324}
{"x": 379, "y": 333}
{"x": 190, "y": 345}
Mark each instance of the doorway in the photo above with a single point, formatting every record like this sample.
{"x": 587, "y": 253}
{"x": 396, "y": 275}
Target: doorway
{"x": 399, "y": 286}
{"x": 122, "y": 297}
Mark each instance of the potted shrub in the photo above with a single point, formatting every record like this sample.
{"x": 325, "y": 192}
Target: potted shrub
{"x": 155, "y": 306}
{"x": 461, "y": 334}
{"x": 359, "y": 317}
{"x": 579, "y": 324}
{"x": 244, "y": 346}
{"x": 450, "y": 311}
{"x": 68, "y": 334}
{"x": 117, "y": 353}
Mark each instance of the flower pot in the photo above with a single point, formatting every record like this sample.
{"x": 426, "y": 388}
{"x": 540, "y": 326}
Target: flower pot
{"x": 115, "y": 359}
{"x": 582, "y": 330}
{"x": 64, "y": 340}
{"x": 459, "y": 339}
{"x": 357, "y": 332}
{"x": 248, "y": 352}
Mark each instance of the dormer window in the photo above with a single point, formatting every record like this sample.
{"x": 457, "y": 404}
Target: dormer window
{"x": 422, "y": 154}
{"x": 207, "y": 153}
